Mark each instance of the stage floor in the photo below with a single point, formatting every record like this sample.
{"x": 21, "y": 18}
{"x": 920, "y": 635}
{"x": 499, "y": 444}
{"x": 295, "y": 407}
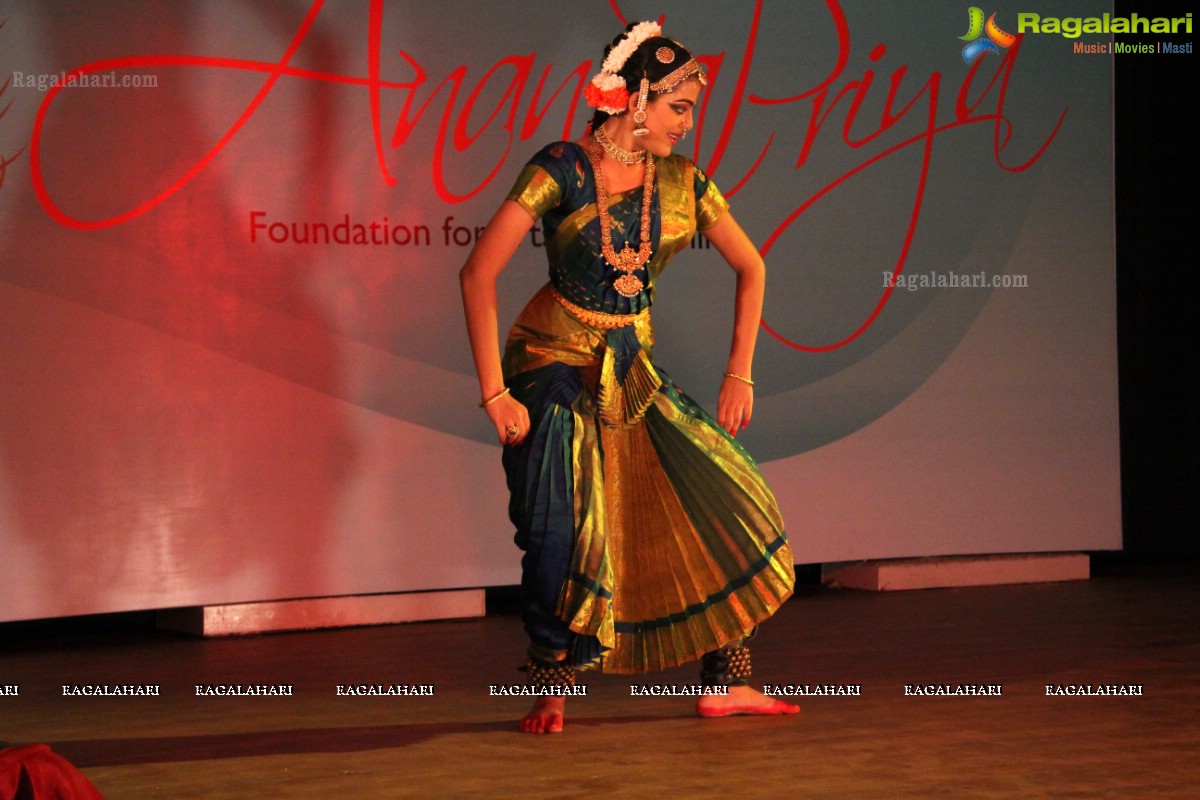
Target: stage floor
{"x": 1134, "y": 627}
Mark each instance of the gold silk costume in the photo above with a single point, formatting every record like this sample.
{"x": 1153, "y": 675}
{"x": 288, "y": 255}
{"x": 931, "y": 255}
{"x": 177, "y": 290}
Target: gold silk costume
{"x": 650, "y": 536}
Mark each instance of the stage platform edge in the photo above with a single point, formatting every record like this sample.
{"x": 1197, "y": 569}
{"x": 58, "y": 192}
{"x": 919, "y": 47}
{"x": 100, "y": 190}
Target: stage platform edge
{"x": 950, "y": 571}
{"x": 323, "y": 612}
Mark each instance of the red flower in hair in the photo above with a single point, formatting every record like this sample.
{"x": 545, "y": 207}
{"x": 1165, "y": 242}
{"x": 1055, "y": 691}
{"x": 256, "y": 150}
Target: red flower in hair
{"x": 610, "y": 101}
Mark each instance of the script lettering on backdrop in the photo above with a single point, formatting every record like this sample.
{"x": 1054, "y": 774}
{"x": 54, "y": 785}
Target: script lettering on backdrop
{"x": 6, "y": 159}
{"x": 972, "y": 104}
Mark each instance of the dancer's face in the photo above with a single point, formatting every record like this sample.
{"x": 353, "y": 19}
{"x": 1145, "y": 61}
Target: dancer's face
{"x": 669, "y": 117}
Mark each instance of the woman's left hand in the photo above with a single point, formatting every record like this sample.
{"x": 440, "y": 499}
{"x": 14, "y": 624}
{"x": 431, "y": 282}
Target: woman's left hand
{"x": 734, "y": 405}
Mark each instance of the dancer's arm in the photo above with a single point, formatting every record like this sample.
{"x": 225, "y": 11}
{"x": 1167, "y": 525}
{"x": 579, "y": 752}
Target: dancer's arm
{"x": 477, "y": 278}
{"x": 735, "y": 403}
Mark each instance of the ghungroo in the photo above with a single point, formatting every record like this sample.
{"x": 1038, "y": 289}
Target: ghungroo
{"x": 728, "y": 666}
{"x": 549, "y": 673}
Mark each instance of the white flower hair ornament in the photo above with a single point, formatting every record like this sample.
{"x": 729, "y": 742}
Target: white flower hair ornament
{"x": 606, "y": 92}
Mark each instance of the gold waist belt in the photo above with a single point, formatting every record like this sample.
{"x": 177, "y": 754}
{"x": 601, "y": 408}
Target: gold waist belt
{"x": 598, "y": 319}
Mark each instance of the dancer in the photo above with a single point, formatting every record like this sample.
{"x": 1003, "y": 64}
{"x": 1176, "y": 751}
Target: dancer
{"x": 650, "y": 538}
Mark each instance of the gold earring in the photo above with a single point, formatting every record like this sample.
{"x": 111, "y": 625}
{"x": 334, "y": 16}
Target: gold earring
{"x": 639, "y": 116}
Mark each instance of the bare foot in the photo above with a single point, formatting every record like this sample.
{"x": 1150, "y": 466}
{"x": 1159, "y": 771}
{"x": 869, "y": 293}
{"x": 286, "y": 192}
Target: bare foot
{"x": 742, "y": 700}
{"x": 546, "y": 716}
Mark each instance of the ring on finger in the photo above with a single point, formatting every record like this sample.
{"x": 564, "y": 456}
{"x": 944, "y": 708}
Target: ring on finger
{"x": 511, "y": 433}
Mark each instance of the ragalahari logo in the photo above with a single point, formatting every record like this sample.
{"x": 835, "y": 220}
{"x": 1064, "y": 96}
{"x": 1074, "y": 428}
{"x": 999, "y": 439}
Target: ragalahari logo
{"x": 983, "y": 38}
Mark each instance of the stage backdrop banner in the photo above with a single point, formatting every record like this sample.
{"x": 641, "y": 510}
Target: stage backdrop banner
{"x": 233, "y": 355}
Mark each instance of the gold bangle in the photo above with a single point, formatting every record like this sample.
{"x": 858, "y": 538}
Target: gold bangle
{"x": 494, "y": 397}
{"x": 739, "y": 378}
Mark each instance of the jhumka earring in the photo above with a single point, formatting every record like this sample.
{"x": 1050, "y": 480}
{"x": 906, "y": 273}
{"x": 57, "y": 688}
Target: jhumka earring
{"x": 639, "y": 116}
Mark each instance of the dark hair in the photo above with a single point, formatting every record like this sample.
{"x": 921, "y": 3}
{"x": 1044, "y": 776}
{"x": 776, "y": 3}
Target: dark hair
{"x": 644, "y": 62}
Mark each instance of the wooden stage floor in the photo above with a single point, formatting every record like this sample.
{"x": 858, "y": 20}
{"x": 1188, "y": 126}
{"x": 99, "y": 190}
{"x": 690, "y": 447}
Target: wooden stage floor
{"x": 1132, "y": 627}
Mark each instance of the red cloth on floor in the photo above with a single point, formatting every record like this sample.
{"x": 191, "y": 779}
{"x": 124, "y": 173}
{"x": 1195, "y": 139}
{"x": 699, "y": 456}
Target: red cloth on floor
{"x": 34, "y": 772}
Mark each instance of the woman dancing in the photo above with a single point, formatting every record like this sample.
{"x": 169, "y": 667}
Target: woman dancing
{"x": 650, "y": 539}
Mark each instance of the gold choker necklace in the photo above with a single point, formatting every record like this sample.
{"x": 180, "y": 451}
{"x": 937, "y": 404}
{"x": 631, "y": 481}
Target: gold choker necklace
{"x": 628, "y": 260}
{"x": 619, "y": 153}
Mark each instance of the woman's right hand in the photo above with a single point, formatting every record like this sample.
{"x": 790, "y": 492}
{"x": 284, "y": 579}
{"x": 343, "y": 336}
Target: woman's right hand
{"x": 508, "y": 413}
